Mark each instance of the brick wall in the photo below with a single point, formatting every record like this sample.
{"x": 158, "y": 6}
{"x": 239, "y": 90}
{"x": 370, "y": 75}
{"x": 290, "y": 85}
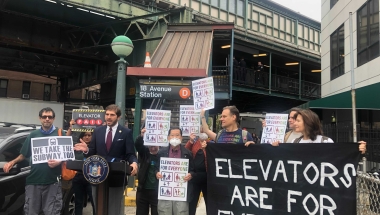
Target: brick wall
{"x": 37, "y": 87}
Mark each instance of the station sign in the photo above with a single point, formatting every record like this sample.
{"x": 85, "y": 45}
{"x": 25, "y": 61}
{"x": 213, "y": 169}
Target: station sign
{"x": 165, "y": 92}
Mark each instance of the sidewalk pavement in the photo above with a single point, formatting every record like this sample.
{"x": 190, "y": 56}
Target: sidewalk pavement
{"x": 131, "y": 210}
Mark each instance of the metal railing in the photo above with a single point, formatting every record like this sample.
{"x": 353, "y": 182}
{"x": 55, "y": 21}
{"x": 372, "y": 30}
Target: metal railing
{"x": 221, "y": 78}
{"x": 367, "y": 194}
{"x": 343, "y": 133}
{"x": 257, "y": 79}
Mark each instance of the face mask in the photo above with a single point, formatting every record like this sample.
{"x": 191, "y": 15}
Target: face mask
{"x": 175, "y": 142}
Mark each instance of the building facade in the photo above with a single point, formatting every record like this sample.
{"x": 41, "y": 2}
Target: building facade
{"x": 335, "y": 106}
{"x": 29, "y": 86}
{"x": 335, "y": 40}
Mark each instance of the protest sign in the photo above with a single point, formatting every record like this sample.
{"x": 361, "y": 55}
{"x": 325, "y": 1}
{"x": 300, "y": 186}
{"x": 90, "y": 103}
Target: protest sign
{"x": 172, "y": 185}
{"x": 203, "y": 94}
{"x": 189, "y": 120}
{"x": 52, "y": 148}
{"x": 157, "y": 124}
{"x": 87, "y": 120}
{"x": 275, "y": 128}
{"x": 288, "y": 179}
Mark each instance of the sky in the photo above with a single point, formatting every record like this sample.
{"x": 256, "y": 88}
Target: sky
{"x": 309, "y": 8}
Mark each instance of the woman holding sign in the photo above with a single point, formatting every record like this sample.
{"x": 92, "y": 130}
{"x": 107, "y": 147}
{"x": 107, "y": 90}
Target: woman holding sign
{"x": 307, "y": 123}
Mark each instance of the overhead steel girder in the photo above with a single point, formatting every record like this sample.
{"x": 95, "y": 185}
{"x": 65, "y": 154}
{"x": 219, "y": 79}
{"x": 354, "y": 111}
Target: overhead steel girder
{"x": 128, "y": 20}
{"x": 22, "y": 30}
{"x": 91, "y": 33}
{"x": 114, "y": 8}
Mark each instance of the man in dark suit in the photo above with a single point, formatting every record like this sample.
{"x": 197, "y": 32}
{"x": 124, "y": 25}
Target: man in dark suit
{"x": 115, "y": 143}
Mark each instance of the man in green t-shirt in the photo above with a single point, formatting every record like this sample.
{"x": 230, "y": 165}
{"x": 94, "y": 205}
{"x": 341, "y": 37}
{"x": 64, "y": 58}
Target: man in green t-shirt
{"x": 43, "y": 187}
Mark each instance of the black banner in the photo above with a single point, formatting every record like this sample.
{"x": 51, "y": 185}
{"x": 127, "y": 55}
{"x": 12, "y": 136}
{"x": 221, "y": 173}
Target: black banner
{"x": 315, "y": 178}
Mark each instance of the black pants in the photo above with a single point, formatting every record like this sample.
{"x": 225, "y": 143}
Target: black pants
{"x": 199, "y": 184}
{"x": 82, "y": 189}
{"x": 144, "y": 199}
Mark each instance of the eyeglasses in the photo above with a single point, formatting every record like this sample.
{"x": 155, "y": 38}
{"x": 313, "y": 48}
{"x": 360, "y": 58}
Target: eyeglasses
{"x": 45, "y": 117}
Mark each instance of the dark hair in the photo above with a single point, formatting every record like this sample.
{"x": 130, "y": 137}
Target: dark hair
{"x": 175, "y": 128}
{"x": 81, "y": 135}
{"x": 47, "y": 109}
{"x": 233, "y": 111}
{"x": 115, "y": 108}
{"x": 311, "y": 123}
{"x": 295, "y": 109}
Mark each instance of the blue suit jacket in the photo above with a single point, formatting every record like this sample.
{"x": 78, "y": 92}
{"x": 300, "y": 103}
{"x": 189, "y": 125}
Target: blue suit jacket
{"x": 122, "y": 148}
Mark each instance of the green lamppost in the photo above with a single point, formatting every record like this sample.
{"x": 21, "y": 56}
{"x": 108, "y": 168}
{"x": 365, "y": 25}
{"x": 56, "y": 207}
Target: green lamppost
{"x": 122, "y": 46}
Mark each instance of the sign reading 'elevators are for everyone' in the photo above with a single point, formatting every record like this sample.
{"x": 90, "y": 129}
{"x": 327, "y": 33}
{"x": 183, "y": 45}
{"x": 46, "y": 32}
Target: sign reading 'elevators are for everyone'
{"x": 203, "y": 94}
{"x": 172, "y": 185}
{"x": 275, "y": 128}
{"x": 52, "y": 148}
{"x": 189, "y": 120}
{"x": 157, "y": 125}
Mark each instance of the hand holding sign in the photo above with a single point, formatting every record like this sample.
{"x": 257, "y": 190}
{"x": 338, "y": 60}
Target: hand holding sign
{"x": 143, "y": 132}
{"x": 362, "y": 147}
{"x": 187, "y": 177}
{"x": 158, "y": 175}
{"x": 249, "y": 143}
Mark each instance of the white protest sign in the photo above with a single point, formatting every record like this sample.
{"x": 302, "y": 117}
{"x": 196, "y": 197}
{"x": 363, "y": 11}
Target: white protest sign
{"x": 52, "y": 148}
{"x": 189, "y": 120}
{"x": 157, "y": 124}
{"x": 172, "y": 185}
{"x": 275, "y": 128}
{"x": 203, "y": 94}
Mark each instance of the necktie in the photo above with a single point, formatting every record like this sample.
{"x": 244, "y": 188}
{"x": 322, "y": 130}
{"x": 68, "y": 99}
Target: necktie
{"x": 109, "y": 140}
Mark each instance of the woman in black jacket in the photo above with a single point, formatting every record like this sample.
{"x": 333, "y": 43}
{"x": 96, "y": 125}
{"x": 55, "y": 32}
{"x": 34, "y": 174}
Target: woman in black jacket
{"x": 146, "y": 195}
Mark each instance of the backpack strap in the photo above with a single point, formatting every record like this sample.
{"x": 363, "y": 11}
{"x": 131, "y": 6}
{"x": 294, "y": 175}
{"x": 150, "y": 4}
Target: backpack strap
{"x": 244, "y": 134}
{"x": 60, "y": 132}
{"x": 298, "y": 140}
{"x": 218, "y": 135}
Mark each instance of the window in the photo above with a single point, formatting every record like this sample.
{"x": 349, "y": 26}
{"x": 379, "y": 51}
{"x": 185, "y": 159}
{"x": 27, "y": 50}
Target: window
{"x": 223, "y": 5}
{"x": 12, "y": 150}
{"x": 332, "y": 3}
{"x": 214, "y": 3}
{"x": 47, "y": 92}
{"x": 240, "y": 8}
{"x": 3, "y": 87}
{"x": 368, "y": 32}
{"x": 26, "y": 87}
{"x": 337, "y": 53}
{"x": 231, "y": 6}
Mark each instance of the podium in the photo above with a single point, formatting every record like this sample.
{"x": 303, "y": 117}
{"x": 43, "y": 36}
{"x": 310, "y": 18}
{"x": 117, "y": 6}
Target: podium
{"x": 102, "y": 197}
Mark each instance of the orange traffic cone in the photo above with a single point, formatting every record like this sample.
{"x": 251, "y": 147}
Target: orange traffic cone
{"x": 147, "y": 61}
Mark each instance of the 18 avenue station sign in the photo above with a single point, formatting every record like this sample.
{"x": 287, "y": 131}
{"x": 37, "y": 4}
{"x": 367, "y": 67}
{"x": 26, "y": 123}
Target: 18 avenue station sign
{"x": 165, "y": 91}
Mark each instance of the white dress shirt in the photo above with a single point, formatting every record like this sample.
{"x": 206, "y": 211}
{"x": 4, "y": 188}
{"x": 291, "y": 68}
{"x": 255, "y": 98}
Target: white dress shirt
{"x": 114, "y": 128}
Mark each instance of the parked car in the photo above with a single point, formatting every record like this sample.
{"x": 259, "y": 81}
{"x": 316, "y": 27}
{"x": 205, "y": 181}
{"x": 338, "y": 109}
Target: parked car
{"x": 12, "y": 185}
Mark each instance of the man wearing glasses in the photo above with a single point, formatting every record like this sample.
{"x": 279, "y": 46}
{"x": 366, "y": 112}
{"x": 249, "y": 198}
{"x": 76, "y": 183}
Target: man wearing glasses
{"x": 43, "y": 186}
